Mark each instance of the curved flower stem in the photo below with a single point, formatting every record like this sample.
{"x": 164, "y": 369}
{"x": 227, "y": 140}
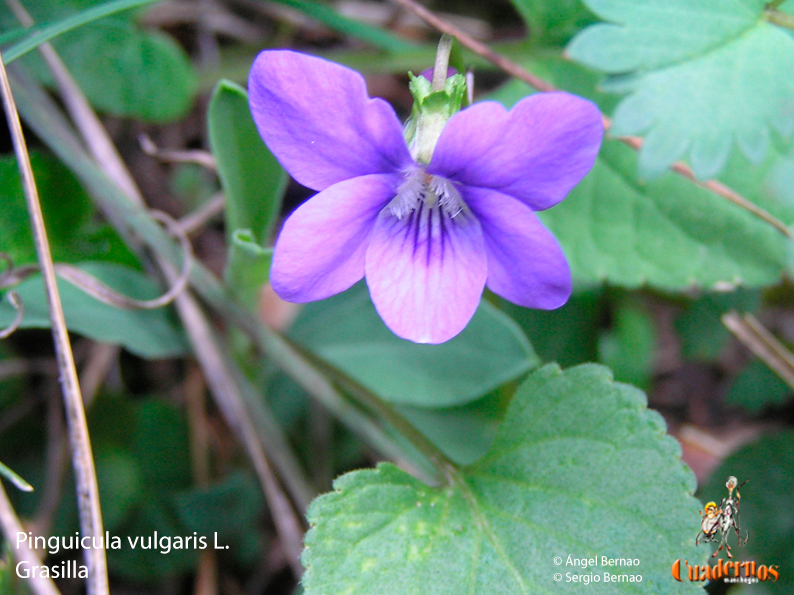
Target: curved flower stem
{"x": 776, "y": 17}
{"x": 538, "y": 83}
{"x": 98, "y": 290}
{"x": 82, "y": 458}
{"x": 441, "y": 66}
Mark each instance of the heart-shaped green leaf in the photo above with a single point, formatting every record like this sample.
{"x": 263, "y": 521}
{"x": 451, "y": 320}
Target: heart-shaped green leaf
{"x": 579, "y": 467}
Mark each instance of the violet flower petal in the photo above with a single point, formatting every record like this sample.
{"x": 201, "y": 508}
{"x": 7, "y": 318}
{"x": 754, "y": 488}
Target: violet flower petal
{"x": 525, "y": 263}
{"x": 426, "y": 272}
{"x": 319, "y": 122}
{"x": 320, "y": 250}
{"x": 536, "y": 152}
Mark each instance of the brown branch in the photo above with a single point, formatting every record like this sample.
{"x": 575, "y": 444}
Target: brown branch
{"x": 196, "y": 220}
{"x": 82, "y": 457}
{"x": 220, "y": 380}
{"x": 521, "y": 73}
{"x": 762, "y": 343}
{"x": 202, "y": 158}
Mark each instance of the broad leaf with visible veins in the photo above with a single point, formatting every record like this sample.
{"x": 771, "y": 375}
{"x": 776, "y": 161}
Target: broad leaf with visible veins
{"x": 579, "y": 467}
{"x": 666, "y": 233}
{"x": 703, "y": 76}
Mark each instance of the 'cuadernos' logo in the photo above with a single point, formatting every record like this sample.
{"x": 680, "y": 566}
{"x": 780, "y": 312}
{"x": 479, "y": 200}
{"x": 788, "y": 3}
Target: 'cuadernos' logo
{"x": 716, "y": 525}
{"x": 726, "y": 569}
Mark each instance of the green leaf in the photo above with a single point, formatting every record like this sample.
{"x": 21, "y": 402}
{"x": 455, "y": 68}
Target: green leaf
{"x": 248, "y": 267}
{"x": 72, "y": 231}
{"x": 346, "y": 331}
{"x": 553, "y": 21}
{"x": 252, "y": 179}
{"x": 332, "y": 19}
{"x": 45, "y": 33}
{"x": 206, "y": 511}
{"x": 667, "y": 233}
{"x": 704, "y": 76}
{"x": 463, "y": 433}
{"x": 765, "y": 510}
{"x": 781, "y": 179}
{"x": 757, "y": 387}
{"x": 573, "y": 470}
{"x": 146, "y": 333}
{"x": 567, "y": 335}
{"x": 18, "y": 482}
{"x": 629, "y": 347}
{"x": 703, "y": 336}
{"x": 130, "y": 73}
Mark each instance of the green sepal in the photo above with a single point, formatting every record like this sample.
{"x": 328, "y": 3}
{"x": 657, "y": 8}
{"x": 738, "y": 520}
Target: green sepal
{"x": 431, "y": 111}
{"x": 248, "y": 267}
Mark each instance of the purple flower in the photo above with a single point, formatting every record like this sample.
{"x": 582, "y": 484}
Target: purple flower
{"x": 428, "y": 237}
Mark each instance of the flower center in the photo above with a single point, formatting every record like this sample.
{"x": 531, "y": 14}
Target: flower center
{"x": 421, "y": 188}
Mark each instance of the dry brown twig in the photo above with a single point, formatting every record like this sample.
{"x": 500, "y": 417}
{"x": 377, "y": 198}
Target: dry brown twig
{"x": 202, "y": 158}
{"x": 222, "y": 384}
{"x": 82, "y": 457}
{"x": 755, "y": 336}
{"x": 96, "y": 288}
{"x": 197, "y": 219}
{"x": 521, "y": 73}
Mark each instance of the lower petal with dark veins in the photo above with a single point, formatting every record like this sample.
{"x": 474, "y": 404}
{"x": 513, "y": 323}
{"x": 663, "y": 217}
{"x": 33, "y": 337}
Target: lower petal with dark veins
{"x": 426, "y": 271}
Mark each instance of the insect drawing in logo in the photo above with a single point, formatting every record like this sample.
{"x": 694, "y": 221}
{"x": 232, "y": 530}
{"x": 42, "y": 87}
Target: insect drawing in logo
{"x": 717, "y": 523}
{"x": 722, "y": 519}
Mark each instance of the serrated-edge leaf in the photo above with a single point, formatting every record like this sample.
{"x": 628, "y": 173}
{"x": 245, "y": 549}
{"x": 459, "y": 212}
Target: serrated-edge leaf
{"x": 700, "y": 108}
{"x": 555, "y": 482}
{"x": 707, "y": 78}
{"x": 656, "y": 33}
{"x": 615, "y": 227}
